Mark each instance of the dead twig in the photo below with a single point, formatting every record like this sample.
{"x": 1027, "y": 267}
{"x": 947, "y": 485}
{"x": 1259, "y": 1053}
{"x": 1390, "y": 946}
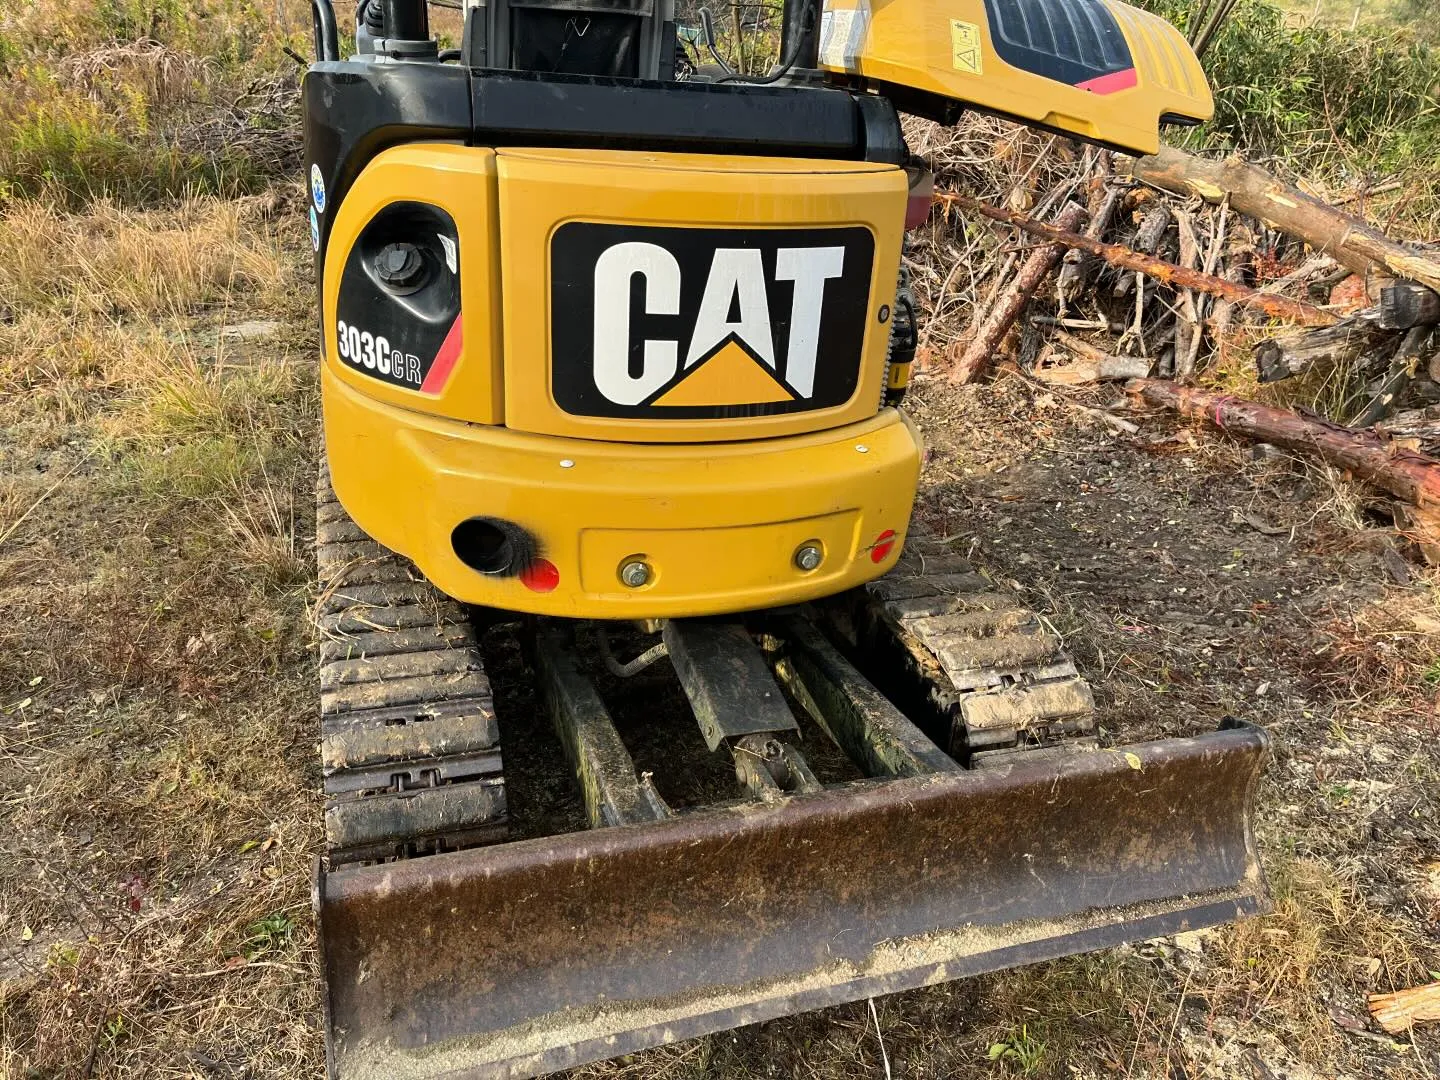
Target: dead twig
{"x": 1276, "y": 306}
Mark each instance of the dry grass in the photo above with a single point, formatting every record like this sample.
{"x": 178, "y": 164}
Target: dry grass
{"x": 117, "y": 263}
{"x": 155, "y": 750}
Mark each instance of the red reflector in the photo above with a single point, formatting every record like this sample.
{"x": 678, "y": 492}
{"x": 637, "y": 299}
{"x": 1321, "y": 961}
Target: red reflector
{"x": 884, "y": 544}
{"x": 540, "y": 576}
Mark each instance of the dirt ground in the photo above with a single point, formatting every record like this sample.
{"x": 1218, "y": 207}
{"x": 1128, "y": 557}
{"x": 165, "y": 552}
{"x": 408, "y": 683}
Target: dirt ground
{"x": 158, "y": 773}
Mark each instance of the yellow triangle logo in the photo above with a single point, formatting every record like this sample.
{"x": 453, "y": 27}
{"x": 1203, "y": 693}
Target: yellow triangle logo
{"x": 730, "y": 376}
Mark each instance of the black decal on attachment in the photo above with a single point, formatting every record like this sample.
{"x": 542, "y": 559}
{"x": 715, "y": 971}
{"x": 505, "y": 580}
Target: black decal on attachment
{"x": 398, "y": 314}
{"x": 706, "y": 323}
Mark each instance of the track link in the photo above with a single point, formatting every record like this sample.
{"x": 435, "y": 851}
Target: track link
{"x": 410, "y": 749}
{"x": 993, "y": 678}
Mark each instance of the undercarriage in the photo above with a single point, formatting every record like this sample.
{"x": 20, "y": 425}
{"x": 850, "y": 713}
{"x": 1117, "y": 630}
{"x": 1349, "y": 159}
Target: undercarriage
{"x": 920, "y": 793}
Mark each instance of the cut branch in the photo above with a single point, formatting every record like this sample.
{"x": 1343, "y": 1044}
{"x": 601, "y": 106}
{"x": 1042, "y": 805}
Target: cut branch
{"x": 1410, "y": 476}
{"x": 1399, "y": 1011}
{"x": 1278, "y": 307}
{"x": 1188, "y": 335}
{"x": 1073, "y": 272}
{"x": 1397, "y": 378}
{"x": 1292, "y": 354}
{"x": 1405, "y": 304}
{"x": 1153, "y": 226}
{"x": 1252, "y": 190}
{"x": 1092, "y": 366}
{"x": 1008, "y": 305}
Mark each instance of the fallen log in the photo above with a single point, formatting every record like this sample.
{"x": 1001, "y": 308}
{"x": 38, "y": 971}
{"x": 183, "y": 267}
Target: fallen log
{"x": 1404, "y": 304}
{"x": 1006, "y": 309}
{"x": 1410, "y": 476}
{"x": 1252, "y": 190}
{"x": 1278, "y": 307}
{"x": 1288, "y": 355}
{"x": 1400, "y": 1011}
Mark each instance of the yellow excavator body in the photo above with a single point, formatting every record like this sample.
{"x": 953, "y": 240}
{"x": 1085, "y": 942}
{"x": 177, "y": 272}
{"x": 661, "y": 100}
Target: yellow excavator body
{"x": 1101, "y": 70}
{"x": 716, "y": 465}
{"x": 614, "y": 344}
{"x": 716, "y": 530}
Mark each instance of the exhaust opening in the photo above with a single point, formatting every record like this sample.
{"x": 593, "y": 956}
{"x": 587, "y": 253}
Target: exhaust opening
{"x": 494, "y": 546}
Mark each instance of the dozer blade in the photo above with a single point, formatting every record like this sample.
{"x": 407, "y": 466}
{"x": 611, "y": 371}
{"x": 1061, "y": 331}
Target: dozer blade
{"x": 521, "y": 958}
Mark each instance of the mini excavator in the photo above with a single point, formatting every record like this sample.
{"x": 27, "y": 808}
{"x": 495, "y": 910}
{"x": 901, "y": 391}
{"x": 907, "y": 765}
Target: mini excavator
{"x": 613, "y": 346}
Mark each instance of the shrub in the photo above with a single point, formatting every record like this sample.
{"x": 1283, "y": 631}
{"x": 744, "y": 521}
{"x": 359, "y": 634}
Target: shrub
{"x": 1323, "y": 96}
{"x": 145, "y": 100}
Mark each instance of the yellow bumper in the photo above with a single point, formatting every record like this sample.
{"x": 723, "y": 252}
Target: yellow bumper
{"x": 718, "y": 524}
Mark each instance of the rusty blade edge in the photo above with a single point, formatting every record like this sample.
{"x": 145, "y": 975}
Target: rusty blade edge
{"x": 852, "y": 798}
{"x": 1131, "y": 925}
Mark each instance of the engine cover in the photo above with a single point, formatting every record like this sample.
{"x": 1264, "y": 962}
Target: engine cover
{"x": 687, "y": 298}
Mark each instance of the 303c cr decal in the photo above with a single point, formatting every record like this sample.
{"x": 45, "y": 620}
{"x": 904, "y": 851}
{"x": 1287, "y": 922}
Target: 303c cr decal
{"x": 701, "y": 322}
{"x": 373, "y": 353}
{"x": 397, "y": 314}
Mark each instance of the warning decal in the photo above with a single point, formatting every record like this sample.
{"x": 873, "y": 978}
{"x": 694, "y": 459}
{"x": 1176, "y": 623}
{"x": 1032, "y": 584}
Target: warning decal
{"x": 842, "y": 36}
{"x": 965, "y": 54}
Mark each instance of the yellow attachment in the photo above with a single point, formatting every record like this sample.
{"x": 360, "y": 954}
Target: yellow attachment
{"x": 540, "y": 190}
{"x": 955, "y": 50}
{"x": 718, "y": 525}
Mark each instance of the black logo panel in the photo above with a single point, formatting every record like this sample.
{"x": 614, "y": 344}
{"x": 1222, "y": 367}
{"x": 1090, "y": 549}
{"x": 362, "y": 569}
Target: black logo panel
{"x": 704, "y": 323}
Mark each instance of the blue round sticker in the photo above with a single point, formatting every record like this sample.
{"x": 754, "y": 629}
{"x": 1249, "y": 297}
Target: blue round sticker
{"x": 317, "y": 188}
{"x": 314, "y": 229}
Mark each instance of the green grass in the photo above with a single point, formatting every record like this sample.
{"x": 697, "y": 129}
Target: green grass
{"x": 146, "y": 100}
{"x": 1324, "y": 98}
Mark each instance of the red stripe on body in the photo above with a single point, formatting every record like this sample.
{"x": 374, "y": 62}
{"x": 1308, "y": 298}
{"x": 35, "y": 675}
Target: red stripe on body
{"x": 444, "y": 360}
{"x": 1112, "y": 83}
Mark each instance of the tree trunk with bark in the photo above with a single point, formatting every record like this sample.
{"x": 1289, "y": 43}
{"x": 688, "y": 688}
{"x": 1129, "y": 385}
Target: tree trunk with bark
{"x": 1407, "y": 475}
{"x": 1352, "y": 242}
{"x": 1007, "y": 306}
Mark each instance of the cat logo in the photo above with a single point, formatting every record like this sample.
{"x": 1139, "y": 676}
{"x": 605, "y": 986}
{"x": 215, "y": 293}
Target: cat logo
{"x": 701, "y": 323}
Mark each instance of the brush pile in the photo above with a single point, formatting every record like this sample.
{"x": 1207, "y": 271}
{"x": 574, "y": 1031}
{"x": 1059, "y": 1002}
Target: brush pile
{"x": 1075, "y": 267}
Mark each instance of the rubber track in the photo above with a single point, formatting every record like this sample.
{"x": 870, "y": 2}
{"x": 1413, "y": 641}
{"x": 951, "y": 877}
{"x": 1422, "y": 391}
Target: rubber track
{"x": 409, "y": 745}
{"x": 989, "y": 664}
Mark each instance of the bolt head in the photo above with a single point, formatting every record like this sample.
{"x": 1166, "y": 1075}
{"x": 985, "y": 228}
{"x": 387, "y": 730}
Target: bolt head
{"x": 635, "y": 573}
{"x": 808, "y": 556}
